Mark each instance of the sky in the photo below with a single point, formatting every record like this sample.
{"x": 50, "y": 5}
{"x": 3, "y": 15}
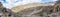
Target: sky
{"x": 48, "y": 0}
{"x": 12, "y": 3}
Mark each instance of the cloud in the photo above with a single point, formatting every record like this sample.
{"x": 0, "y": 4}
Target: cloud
{"x": 12, "y": 3}
{"x": 54, "y": 0}
{"x": 0, "y": 0}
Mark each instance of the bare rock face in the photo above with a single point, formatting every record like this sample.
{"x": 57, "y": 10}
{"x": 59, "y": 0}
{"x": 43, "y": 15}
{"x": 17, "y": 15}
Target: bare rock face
{"x": 4, "y": 12}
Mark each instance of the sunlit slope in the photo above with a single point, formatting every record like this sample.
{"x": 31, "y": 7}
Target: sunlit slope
{"x": 22, "y": 7}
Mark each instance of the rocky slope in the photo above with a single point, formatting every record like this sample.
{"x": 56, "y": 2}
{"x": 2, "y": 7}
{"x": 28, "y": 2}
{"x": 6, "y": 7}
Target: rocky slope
{"x": 31, "y": 10}
{"x": 22, "y": 7}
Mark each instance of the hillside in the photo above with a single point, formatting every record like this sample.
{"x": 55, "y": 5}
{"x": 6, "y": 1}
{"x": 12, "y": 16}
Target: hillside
{"x": 32, "y": 9}
{"x": 22, "y": 7}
